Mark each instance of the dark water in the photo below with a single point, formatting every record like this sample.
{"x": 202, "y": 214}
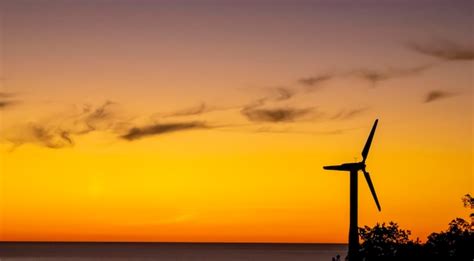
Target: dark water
{"x": 168, "y": 251}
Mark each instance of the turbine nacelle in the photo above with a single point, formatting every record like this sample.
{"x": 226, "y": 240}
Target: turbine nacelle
{"x": 347, "y": 166}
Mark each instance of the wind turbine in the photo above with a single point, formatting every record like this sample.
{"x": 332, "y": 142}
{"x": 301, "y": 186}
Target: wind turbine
{"x": 354, "y": 168}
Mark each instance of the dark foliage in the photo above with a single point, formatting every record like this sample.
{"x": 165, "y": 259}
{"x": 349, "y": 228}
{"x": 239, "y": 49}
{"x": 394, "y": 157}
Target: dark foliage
{"x": 468, "y": 202}
{"x": 456, "y": 243}
{"x": 389, "y": 242}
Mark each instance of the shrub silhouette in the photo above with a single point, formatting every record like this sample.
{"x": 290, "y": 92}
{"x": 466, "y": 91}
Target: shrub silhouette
{"x": 456, "y": 243}
{"x": 468, "y": 202}
{"x": 390, "y": 242}
{"x": 387, "y": 242}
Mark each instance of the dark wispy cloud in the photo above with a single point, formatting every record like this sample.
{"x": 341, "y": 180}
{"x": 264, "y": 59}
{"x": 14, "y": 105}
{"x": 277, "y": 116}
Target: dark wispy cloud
{"x": 6, "y": 100}
{"x": 282, "y": 94}
{"x": 275, "y": 115}
{"x": 6, "y": 95}
{"x": 54, "y": 138}
{"x": 377, "y": 76}
{"x": 346, "y": 114}
{"x": 49, "y": 136}
{"x": 60, "y": 130}
{"x": 314, "y": 82}
{"x": 199, "y": 109}
{"x": 103, "y": 117}
{"x": 260, "y": 111}
{"x": 5, "y": 104}
{"x": 195, "y": 110}
{"x": 437, "y": 95}
{"x": 278, "y": 94}
{"x": 445, "y": 50}
{"x": 160, "y": 129}
{"x": 256, "y": 112}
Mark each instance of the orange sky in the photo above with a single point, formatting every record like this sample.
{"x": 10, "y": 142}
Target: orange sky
{"x": 221, "y": 117}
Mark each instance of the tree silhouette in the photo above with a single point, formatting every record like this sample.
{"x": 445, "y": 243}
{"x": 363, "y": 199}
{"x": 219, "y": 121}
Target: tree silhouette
{"x": 389, "y": 242}
{"x": 468, "y": 202}
{"x": 453, "y": 244}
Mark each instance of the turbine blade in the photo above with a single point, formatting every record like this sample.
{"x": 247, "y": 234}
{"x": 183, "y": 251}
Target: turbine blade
{"x": 336, "y": 167}
{"x": 372, "y": 189}
{"x": 365, "y": 152}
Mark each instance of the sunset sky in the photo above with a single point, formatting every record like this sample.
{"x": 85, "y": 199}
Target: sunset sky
{"x": 210, "y": 121}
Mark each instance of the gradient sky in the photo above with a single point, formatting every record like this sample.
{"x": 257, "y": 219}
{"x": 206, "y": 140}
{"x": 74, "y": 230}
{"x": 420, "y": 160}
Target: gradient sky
{"x": 211, "y": 120}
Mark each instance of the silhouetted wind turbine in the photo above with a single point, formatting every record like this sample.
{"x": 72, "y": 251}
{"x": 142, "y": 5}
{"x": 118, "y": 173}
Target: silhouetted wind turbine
{"x": 354, "y": 168}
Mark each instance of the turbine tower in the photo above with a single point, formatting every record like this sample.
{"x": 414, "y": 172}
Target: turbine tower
{"x": 353, "y": 169}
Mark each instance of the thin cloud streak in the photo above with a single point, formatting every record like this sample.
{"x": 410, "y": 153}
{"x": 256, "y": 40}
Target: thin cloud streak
{"x": 377, "y": 76}
{"x": 277, "y": 94}
{"x": 436, "y": 95}
{"x": 101, "y": 118}
{"x": 313, "y": 83}
{"x": 199, "y": 109}
{"x": 5, "y": 100}
{"x": 6, "y": 95}
{"x": 283, "y": 94}
{"x": 445, "y": 50}
{"x": 6, "y": 104}
{"x": 196, "y": 110}
{"x": 349, "y": 114}
{"x": 255, "y": 113}
{"x": 275, "y": 115}
{"x": 160, "y": 129}
{"x": 59, "y": 131}
{"x": 51, "y": 137}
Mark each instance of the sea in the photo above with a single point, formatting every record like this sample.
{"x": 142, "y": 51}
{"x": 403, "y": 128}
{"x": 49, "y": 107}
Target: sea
{"x": 14, "y": 251}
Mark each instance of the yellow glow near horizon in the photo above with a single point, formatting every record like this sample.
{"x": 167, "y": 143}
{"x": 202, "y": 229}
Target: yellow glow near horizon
{"x": 234, "y": 180}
